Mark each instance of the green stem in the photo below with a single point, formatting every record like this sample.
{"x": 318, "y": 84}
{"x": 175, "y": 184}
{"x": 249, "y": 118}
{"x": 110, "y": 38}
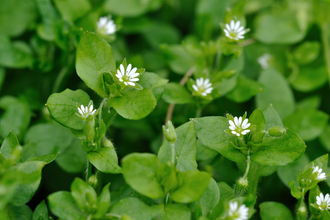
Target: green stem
{"x": 113, "y": 215}
{"x": 253, "y": 178}
{"x": 101, "y": 108}
{"x": 66, "y": 70}
{"x": 199, "y": 112}
{"x": 217, "y": 60}
{"x": 88, "y": 170}
{"x": 326, "y": 46}
{"x": 248, "y": 163}
{"x": 302, "y": 210}
{"x": 173, "y": 153}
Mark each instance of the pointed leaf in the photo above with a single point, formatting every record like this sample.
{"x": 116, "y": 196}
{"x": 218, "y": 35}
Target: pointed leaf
{"x": 105, "y": 160}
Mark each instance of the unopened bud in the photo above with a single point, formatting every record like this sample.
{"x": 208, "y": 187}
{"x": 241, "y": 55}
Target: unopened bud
{"x": 92, "y": 180}
{"x": 169, "y": 132}
{"x": 107, "y": 143}
{"x": 276, "y": 131}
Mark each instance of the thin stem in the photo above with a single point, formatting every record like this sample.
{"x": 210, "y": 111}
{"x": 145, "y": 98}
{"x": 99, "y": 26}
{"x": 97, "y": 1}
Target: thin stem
{"x": 248, "y": 162}
{"x": 66, "y": 70}
{"x": 217, "y": 60}
{"x": 113, "y": 215}
{"x": 173, "y": 153}
{"x": 326, "y": 46}
{"x": 101, "y": 108}
{"x": 199, "y": 112}
{"x": 88, "y": 170}
{"x": 182, "y": 83}
{"x": 167, "y": 197}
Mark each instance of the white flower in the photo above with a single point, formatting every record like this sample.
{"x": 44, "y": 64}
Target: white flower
{"x": 106, "y": 26}
{"x": 323, "y": 202}
{"x": 234, "y": 31}
{"x": 320, "y": 175}
{"x": 264, "y": 60}
{"x": 236, "y": 213}
{"x": 128, "y": 76}
{"x": 202, "y": 86}
{"x": 84, "y": 112}
{"x": 237, "y": 127}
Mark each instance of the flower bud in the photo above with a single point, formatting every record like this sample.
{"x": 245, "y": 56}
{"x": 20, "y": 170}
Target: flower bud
{"x": 241, "y": 186}
{"x": 92, "y": 180}
{"x": 169, "y": 132}
{"x": 276, "y": 131}
{"x": 107, "y": 143}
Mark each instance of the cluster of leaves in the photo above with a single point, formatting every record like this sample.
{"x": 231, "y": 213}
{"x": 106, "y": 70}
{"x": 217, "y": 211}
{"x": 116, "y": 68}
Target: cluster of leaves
{"x": 277, "y": 73}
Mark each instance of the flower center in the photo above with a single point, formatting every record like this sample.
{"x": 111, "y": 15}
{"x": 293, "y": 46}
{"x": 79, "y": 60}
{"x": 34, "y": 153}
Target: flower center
{"x": 235, "y": 215}
{"x": 232, "y": 34}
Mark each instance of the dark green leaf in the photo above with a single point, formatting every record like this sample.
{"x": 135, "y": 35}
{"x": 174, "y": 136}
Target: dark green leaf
{"x": 20, "y": 212}
{"x": 105, "y": 160}
{"x": 103, "y": 202}
{"x": 155, "y": 83}
{"x": 84, "y": 195}
{"x": 176, "y": 94}
{"x": 71, "y": 10}
{"x": 129, "y": 8}
{"x": 210, "y": 197}
{"x": 274, "y": 211}
{"x": 307, "y": 52}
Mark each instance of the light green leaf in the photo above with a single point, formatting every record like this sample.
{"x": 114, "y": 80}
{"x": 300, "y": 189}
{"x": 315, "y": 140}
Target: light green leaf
{"x": 175, "y": 211}
{"x": 103, "y": 202}
{"x": 185, "y": 148}
{"x": 94, "y": 57}
{"x": 308, "y": 124}
{"x": 20, "y": 212}
{"x": 154, "y": 83}
{"x": 84, "y": 195}
{"x": 177, "y": 94}
{"x": 140, "y": 172}
{"x": 307, "y": 52}
{"x": 135, "y": 208}
{"x": 272, "y": 117}
{"x": 71, "y": 10}
{"x": 245, "y": 89}
{"x": 274, "y": 211}
{"x": 278, "y": 151}
{"x": 63, "y": 206}
{"x": 41, "y": 212}
{"x": 9, "y": 145}
{"x": 211, "y": 132}
{"x": 194, "y": 184}
{"x": 63, "y": 107}
{"x": 130, "y": 8}
{"x": 310, "y": 79}
{"x": 134, "y": 104}
{"x": 210, "y": 198}
{"x": 105, "y": 160}
{"x": 276, "y": 92}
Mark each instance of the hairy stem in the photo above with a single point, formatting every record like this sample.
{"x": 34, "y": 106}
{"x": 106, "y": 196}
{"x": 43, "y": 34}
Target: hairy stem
{"x": 248, "y": 162}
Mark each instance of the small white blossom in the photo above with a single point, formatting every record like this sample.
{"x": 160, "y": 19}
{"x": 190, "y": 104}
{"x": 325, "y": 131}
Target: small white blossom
{"x": 238, "y": 213}
{"x": 323, "y": 202}
{"x": 84, "y": 112}
{"x": 320, "y": 175}
{"x": 264, "y": 60}
{"x": 106, "y": 26}
{"x": 128, "y": 76}
{"x": 237, "y": 127}
{"x": 203, "y": 86}
{"x": 234, "y": 30}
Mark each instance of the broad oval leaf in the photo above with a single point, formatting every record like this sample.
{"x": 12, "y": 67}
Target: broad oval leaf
{"x": 278, "y": 151}
{"x": 155, "y": 83}
{"x": 94, "y": 57}
{"x": 210, "y": 198}
{"x": 211, "y": 132}
{"x": 185, "y": 148}
{"x": 176, "y": 94}
{"x": 274, "y": 210}
{"x": 310, "y": 78}
{"x": 105, "y": 160}
{"x": 140, "y": 172}
{"x": 134, "y": 104}
{"x": 63, "y": 107}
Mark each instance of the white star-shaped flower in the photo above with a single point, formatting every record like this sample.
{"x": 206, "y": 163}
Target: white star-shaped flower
{"x": 237, "y": 127}
{"x": 203, "y": 86}
{"x": 128, "y": 76}
{"x": 238, "y": 213}
{"x": 323, "y": 202}
{"x": 320, "y": 176}
{"x": 234, "y": 30}
{"x": 264, "y": 60}
{"x": 106, "y": 26}
{"x": 84, "y": 112}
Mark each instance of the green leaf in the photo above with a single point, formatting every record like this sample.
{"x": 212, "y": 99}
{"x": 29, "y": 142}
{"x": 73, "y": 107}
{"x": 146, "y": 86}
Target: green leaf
{"x": 290, "y": 172}
{"x": 16, "y": 117}
{"x": 41, "y": 212}
{"x": 63, "y": 107}
{"x": 63, "y": 206}
{"x": 16, "y": 54}
{"x": 311, "y": 102}
{"x": 129, "y": 8}
{"x": 176, "y": 94}
{"x": 29, "y": 185}
{"x": 154, "y": 83}
{"x": 140, "y": 172}
{"x": 210, "y": 198}
{"x": 307, "y": 52}
{"x": 185, "y": 148}
{"x": 71, "y": 10}
{"x": 258, "y": 120}
{"x": 308, "y": 124}
{"x": 310, "y": 79}
{"x": 278, "y": 151}
{"x": 276, "y": 92}
{"x": 194, "y": 184}
{"x": 179, "y": 60}
{"x": 167, "y": 175}
{"x": 84, "y": 195}
{"x": 105, "y": 160}
{"x": 9, "y": 145}
{"x": 245, "y": 89}
{"x": 134, "y": 104}
{"x": 94, "y": 57}
{"x": 284, "y": 28}
{"x": 103, "y": 202}
{"x": 325, "y": 138}
{"x": 274, "y": 211}
{"x": 135, "y": 209}
{"x": 20, "y": 212}
{"x": 48, "y": 158}
{"x": 46, "y": 139}
{"x": 16, "y": 16}
{"x": 227, "y": 85}
{"x": 272, "y": 117}
{"x": 211, "y": 132}
{"x": 175, "y": 211}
